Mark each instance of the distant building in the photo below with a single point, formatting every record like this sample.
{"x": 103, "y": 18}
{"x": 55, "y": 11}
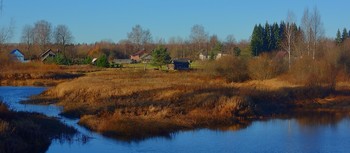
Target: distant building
{"x": 203, "y": 56}
{"x": 17, "y": 55}
{"x": 146, "y": 58}
{"x": 49, "y": 53}
{"x": 137, "y": 56}
{"x": 122, "y": 61}
{"x": 220, "y": 55}
{"x": 181, "y": 64}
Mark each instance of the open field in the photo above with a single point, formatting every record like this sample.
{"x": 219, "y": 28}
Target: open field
{"x": 135, "y": 104}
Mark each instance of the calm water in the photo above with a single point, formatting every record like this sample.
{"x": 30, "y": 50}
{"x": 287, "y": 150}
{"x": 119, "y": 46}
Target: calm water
{"x": 304, "y": 133}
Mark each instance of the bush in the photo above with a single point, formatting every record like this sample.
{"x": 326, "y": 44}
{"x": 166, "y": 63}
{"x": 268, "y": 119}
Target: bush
{"x": 102, "y": 61}
{"x": 314, "y": 73}
{"x": 265, "y": 67}
{"x": 233, "y": 69}
{"x": 59, "y": 59}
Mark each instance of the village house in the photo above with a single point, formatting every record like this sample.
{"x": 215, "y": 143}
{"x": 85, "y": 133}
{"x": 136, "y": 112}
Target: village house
{"x": 17, "y": 55}
{"x": 49, "y": 53}
{"x": 220, "y": 55}
{"x": 203, "y": 56}
{"x": 181, "y": 64}
{"x": 137, "y": 56}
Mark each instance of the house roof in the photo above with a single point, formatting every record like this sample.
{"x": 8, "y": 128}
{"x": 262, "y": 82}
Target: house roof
{"x": 16, "y": 50}
{"x": 181, "y": 60}
{"x": 139, "y": 53}
{"x": 44, "y": 54}
{"x": 146, "y": 56}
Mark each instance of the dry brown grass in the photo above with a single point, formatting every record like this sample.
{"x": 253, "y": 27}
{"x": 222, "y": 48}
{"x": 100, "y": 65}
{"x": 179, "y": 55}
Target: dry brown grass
{"x": 38, "y": 73}
{"x": 131, "y": 103}
{"x": 29, "y": 132}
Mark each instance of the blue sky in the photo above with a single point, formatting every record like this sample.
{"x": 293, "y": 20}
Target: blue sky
{"x": 95, "y": 20}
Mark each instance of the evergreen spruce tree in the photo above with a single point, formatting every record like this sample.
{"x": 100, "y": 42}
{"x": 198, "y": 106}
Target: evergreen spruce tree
{"x": 160, "y": 57}
{"x": 281, "y": 32}
{"x": 256, "y": 42}
{"x": 345, "y": 34}
{"x": 276, "y": 37}
{"x": 338, "y": 39}
{"x": 267, "y": 37}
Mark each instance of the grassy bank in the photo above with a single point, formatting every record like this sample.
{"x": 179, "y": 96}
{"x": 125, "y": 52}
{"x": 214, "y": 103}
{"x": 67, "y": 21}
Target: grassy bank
{"x": 39, "y": 74}
{"x": 22, "y": 132}
{"x": 134, "y": 104}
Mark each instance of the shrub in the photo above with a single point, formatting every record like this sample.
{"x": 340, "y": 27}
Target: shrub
{"x": 314, "y": 73}
{"x": 59, "y": 59}
{"x": 265, "y": 67}
{"x": 102, "y": 61}
{"x": 233, "y": 69}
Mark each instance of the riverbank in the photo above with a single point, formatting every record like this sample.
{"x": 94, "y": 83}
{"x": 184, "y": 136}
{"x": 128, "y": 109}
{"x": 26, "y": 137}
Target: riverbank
{"x": 39, "y": 74}
{"x": 133, "y": 104}
{"x": 23, "y": 132}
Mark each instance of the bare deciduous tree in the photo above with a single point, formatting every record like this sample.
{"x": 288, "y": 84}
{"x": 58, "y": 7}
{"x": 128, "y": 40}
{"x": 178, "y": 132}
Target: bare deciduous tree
{"x": 313, "y": 29}
{"x": 62, "y": 37}
{"x": 306, "y": 26}
{"x": 42, "y": 34}
{"x": 317, "y": 29}
{"x": 139, "y": 36}
{"x": 230, "y": 43}
{"x": 198, "y": 36}
{"x": 289, "y": 31}
{"x": 28, "y": 37}
{"x": 6, "y": 33}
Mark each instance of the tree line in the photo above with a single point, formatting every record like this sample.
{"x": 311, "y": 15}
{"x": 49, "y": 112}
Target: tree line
{"x": 41, "y": 36}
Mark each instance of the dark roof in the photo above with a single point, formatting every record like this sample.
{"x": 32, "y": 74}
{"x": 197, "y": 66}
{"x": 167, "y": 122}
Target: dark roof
{"x": 181, "y": 60}
{"x": 46, "y": 52}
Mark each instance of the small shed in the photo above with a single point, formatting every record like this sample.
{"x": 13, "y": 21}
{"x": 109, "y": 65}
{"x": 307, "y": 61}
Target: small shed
{"x": 17, "y": 55}
{"x": 47, "y": 54}
{"x": 181, "y": 64}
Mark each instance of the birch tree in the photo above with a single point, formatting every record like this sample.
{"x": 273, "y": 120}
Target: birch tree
{"x": 289, "y": 34}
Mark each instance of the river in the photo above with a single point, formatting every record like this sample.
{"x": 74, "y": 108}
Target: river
{"x": 314, "y": 132}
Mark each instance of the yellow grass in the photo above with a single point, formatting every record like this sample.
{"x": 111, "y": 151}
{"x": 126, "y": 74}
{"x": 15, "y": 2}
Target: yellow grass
{"x": 122, "y": 102}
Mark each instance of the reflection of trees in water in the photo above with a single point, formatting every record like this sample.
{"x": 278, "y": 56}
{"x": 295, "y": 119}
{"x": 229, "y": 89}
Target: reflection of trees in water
{"x": 239, "y": 125}
{"x": 317, "y": 118}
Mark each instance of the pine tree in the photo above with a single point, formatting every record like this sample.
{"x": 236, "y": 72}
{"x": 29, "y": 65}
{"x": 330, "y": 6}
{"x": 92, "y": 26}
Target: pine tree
{"x": 338, "y": 39}
{"x": 160, "y": 56}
